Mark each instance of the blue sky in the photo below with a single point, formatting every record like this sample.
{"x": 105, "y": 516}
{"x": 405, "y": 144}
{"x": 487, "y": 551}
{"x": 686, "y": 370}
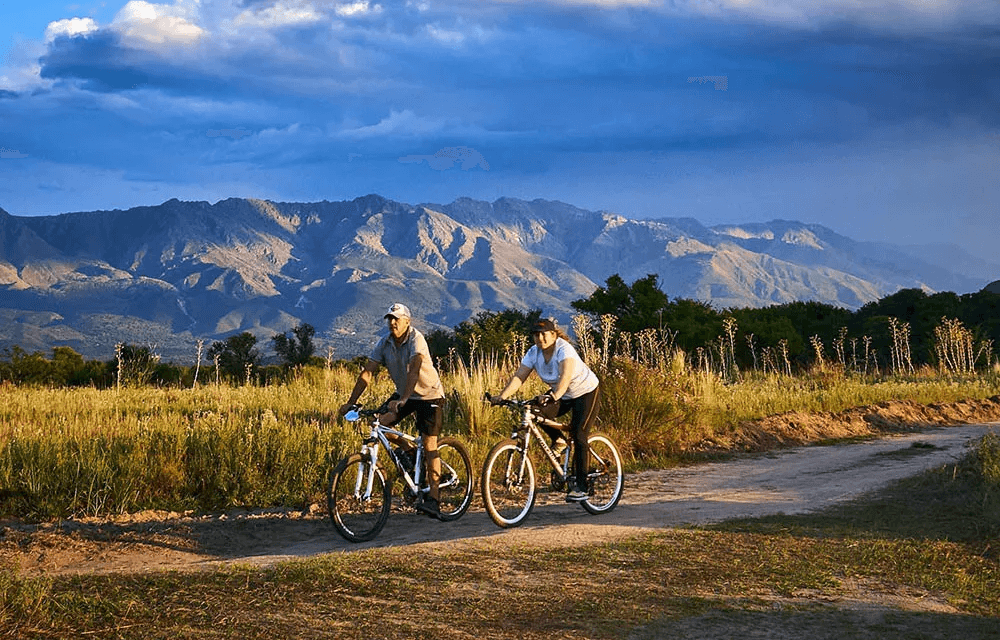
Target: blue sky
{"x": 879, "y": 119}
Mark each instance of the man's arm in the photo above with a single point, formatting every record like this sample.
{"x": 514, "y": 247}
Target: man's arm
{"x": 412, "y": 375}
{"x": 364, "y": 379}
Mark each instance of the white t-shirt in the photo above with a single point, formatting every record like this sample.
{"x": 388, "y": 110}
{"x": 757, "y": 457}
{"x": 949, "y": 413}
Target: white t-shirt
{"x": 584, "y": 380}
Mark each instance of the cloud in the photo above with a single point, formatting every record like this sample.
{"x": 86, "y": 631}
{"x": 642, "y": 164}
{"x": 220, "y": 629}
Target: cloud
{"x": 281, "y": 14}
{"x": 235, "y": 134}
{"x": 405, "y": 123}
{"x": 447, "y": 157}
{"x": 354, "y": 9}
{"x": 6, "y": 153}
{"x": 883, "y": 15}
{"x": 70, "y": 28}
{"x": 721, "y": 82}
{"x": 142, "y": 23}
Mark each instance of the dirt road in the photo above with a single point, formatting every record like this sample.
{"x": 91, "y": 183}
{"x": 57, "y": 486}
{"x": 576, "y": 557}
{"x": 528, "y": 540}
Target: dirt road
{"x": 789, "y": 481}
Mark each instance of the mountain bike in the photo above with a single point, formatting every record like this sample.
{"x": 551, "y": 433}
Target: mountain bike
{"x": 509, "y": 484}
{"x": 359, "y": 492}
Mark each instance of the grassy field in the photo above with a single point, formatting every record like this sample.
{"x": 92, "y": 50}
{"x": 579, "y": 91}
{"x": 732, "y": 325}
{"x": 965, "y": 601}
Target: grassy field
{"x": 929, "y": 541}
{"x": 88, "y": 452}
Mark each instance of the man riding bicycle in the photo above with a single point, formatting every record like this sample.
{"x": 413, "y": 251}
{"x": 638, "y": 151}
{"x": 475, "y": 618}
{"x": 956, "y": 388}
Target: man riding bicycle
{"x": 404, "y": 353}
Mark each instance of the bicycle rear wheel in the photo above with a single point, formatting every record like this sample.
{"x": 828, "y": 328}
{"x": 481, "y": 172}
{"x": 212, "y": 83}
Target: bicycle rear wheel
{"x": 455, "y": 486}
{"x": 606, "y": 477}
{"x": 357, "y": 513}
{"x": 508, "y": 484}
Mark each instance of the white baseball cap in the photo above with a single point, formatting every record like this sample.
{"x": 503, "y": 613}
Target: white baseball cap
{"x": 398, "y": 311}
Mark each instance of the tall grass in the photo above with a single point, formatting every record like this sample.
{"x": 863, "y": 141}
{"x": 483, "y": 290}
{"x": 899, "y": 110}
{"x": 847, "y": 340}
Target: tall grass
{"x": 86, "y": 452}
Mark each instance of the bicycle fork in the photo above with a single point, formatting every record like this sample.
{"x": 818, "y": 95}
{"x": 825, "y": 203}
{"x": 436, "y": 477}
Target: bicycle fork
{"x": 367, "y": 479}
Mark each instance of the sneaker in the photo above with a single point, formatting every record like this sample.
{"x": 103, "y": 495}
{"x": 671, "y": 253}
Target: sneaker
{"x": 430, "y": 506}
{"x": 575, "y": 494}
{"x": 559, "y": 445}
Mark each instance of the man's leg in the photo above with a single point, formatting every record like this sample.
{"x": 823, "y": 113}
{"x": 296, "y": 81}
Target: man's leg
{"x": 433, "y": 465}
{"x": 389, "y": 419}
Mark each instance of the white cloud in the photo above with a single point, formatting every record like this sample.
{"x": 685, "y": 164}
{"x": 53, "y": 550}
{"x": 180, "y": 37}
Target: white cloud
{"x": 281, "y": 14}
{"x": 359, "y": 8}
{"x": 398, "y": 123}
{"x": 141, "y": 22}
{"x": 445, "y": 36}
{"x": 69, "y": 27}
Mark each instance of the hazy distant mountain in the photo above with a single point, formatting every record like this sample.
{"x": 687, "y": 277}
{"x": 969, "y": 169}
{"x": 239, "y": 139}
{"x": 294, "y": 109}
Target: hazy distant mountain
{"x": 168, "y": 275}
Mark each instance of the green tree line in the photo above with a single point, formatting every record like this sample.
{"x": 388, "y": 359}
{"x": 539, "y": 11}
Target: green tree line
{"x": 903, "y": 330}
{"x": 796, "y": 332}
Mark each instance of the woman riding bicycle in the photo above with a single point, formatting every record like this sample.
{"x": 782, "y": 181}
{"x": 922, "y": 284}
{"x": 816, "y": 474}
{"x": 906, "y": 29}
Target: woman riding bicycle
{"x": 573, "y": 387}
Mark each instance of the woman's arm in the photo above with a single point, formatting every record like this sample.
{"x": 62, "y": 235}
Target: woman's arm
{"x": 515, "y": 383}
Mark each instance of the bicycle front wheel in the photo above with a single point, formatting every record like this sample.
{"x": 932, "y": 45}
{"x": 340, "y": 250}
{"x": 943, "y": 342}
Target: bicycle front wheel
{"x": 508, "y": 484}
{"x": 455, "y": 485}
{"x": 606, "y": 478}
{"x": 358, "y": 508}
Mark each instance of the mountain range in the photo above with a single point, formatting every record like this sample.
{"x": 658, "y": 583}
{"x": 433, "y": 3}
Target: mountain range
{"x": 167, "y": 276}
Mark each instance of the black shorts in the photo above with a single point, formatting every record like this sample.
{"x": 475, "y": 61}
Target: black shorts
{"x": 428, "y": 414}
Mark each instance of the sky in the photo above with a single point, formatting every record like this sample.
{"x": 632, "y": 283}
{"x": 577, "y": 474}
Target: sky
{"x": 879, "y": 119}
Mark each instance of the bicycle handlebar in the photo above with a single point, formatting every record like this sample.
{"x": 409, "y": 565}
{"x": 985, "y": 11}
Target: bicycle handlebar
{"x": 368, "y": 413}
{"x": 507, "y": 402}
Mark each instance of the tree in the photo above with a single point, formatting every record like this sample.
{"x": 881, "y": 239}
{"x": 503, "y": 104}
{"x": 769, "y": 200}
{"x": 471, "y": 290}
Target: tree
{"x": 297, "y": 349}
{"x": 236, "y": 355}
{"x": 492, "y": 332}
{"x": 136, "y": 365}
{"x": 637, "y": 306}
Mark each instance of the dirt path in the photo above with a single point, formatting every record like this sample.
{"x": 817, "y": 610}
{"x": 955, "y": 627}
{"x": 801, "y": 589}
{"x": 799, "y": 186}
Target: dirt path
{"x": 790, "y": 481}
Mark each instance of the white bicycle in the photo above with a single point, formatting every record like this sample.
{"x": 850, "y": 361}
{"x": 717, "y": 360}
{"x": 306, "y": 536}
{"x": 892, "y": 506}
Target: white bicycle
{"x": 359, "y": 495}
{"x": 508, "y": 481}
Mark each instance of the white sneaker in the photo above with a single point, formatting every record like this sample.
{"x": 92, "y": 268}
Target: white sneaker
{"x": 559, "y": 446}
{"x": 575, "y": 494}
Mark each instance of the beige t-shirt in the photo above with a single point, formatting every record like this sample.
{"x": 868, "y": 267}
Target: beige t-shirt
{"x": 396, "y": 359}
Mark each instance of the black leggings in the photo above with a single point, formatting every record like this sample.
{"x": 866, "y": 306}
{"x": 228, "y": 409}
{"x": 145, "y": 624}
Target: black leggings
{"x": 584, "y": 414}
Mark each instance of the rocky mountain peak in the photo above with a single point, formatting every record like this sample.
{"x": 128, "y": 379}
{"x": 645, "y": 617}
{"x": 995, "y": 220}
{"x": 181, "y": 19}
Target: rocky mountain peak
{"x": 181, "y": 271}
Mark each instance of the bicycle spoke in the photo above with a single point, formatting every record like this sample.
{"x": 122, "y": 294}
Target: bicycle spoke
{"x": 606, "y": 476}
{"x": 455, "y": 485}
{"x": 358, "y": 499}
{"x": 508, "y": 484}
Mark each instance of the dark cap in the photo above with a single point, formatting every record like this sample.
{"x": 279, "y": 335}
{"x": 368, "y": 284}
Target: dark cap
{"x": 543, "y": 325}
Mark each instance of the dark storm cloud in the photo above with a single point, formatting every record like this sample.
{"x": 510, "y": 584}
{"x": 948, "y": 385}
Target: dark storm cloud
{"x": 597, "y": 104}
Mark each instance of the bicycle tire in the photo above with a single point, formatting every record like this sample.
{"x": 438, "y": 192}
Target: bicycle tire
{"x": 606, "y": 477}
{"x": 457, "y": 480}
{"x": 508, "y": 494}
{"x": 354, "y": 518}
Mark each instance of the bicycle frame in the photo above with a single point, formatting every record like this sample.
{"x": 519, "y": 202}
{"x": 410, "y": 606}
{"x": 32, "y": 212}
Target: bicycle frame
{"x": 378, "y": 435}
{"x": 530, "y": 425}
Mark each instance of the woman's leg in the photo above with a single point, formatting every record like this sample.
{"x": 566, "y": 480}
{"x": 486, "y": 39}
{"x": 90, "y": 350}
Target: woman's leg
{"x": 582, "y": 420}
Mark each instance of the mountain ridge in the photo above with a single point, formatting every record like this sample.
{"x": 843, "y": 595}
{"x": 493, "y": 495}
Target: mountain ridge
{"x": 171, "y": 274}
